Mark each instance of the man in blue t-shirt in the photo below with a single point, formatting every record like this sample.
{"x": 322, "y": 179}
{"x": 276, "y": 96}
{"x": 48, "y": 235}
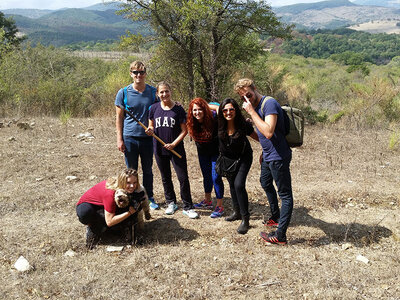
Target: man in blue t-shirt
{"x": 131, "y": 137}
{"x": 276, "y": 156}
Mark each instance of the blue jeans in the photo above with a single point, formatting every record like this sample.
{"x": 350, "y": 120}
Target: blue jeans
{"x": 210, "y": 177}
{"x": 278, "y": 171}
{"x": 143, "y": 147}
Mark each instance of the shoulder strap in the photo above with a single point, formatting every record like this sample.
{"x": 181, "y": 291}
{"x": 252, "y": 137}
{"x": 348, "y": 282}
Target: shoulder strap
{"x": 263, "y": 101}
{"x": 125, "y": 94}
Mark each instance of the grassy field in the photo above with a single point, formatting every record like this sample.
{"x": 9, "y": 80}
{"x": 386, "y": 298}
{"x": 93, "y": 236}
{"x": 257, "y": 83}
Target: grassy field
{"x": 346, "y": 186}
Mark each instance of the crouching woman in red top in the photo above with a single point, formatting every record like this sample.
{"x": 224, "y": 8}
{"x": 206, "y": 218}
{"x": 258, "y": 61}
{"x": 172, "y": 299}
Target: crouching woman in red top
{"x": 108, "y": 203}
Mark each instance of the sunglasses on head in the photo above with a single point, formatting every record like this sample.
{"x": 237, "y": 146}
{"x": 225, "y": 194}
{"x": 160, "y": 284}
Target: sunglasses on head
{"x": 138, "y": 72}
{"x": 225, "y": 110}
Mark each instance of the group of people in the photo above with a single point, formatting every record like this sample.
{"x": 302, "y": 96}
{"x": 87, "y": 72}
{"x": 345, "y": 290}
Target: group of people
{"x": 218, "y": 130}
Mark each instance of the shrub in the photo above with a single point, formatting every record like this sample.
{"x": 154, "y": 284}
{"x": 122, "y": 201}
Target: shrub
{"x": 336, "y": 117}
{"x": 394, "y": 140}
{"x": 47, "y": 81}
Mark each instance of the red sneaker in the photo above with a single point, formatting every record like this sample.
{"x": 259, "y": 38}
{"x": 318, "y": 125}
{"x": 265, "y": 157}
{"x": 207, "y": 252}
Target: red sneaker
{"x": 271, "y": 222}
{"x": 272, "y": 238}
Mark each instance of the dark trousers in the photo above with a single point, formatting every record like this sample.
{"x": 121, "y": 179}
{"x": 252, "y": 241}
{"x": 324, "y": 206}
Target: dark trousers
{"x": 93, "y": 216}
{"x": 237, "y": 185}
{"x": 180, "y": 166}
{"x": 278, "y": 171}
{"x": 143, "y": 147}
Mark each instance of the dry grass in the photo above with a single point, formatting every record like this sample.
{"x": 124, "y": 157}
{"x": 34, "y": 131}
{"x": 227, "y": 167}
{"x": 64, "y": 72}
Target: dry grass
{"x": 346, "y": 187}
{"x": 382, "y": 26}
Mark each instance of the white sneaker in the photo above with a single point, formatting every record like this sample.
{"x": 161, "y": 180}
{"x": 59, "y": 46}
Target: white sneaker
{"x": 172, "y": 207}
{"x": 191, "y": 213}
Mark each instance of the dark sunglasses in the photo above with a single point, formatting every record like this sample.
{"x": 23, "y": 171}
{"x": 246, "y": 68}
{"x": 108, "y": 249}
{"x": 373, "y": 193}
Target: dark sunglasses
{"x": 138, "y": 72}
{"x": 225, "y": 110}
{"x": 248, "y": 96}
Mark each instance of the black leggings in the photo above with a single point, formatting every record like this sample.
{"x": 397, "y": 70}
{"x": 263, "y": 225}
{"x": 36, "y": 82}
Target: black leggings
{"x": 237, "y": 185}
{"x": 93, "y": 216}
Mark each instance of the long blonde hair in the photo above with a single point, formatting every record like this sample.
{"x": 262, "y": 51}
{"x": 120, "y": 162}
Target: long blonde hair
{"x": 119, "y": 182}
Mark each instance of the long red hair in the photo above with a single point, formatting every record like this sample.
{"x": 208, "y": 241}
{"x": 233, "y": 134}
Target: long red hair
{"x": 200, "y": 132}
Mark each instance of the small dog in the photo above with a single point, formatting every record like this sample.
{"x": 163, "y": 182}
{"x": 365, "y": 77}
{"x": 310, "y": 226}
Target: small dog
{"x": 121, "y": 198}
{"x": 140, "y": 202}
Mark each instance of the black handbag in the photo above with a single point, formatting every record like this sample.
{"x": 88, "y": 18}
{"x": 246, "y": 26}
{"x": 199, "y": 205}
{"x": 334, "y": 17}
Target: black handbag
{"x": 225, "y": 166}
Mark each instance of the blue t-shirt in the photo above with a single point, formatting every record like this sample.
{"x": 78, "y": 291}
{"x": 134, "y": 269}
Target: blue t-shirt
{"x": 139, "y": 104}
{"x": 275, "y": 148}
{"x": 167, "y": 126}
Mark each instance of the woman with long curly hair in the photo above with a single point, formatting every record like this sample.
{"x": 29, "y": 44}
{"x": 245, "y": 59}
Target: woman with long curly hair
{"x": 233, "y": 143}
{"x": 202, "y": 126}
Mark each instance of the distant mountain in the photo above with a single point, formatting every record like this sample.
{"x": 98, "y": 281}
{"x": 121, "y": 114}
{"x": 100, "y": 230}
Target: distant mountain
{"x": 104, "y": 6}
{"x": 333, "y": 14}
{"x": 75, "y": 25}
{"x": 37, "y": 13}
{"x": 386, "y": 3}
{"x": 301, "y": 7}
{"x": 29, "y": 13}
{"x": 99, "y": 22}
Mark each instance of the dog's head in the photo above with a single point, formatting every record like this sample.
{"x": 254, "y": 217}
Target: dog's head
{"x": 121, "y": 198}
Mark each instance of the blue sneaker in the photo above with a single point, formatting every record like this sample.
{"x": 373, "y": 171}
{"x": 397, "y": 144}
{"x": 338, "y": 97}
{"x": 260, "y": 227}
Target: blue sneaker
{"x": 217, "y": 213}
{"x": 153, "y": 204}
{"x": 204, "y": 204}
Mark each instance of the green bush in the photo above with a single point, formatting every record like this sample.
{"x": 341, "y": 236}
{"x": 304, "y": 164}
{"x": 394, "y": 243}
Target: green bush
{"x": 394, "y": 140}
{"x": 47, "y": 81}
{"x": 336, "y": 117}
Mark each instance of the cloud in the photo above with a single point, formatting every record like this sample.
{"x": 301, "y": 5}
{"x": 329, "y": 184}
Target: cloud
{"x": 46, "y": 4}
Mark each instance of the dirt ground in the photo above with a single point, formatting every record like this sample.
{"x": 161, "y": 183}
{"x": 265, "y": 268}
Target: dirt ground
{"x": 346, "y": 186}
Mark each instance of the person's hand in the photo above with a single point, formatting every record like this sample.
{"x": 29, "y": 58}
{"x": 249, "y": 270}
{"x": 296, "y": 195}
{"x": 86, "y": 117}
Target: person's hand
{"x": 131, "y": 210}
{"x": 149, "y": 131}
{"x": 169, "y": 146}
{"x": 247, "y": 106}
{"x": 121, "y": 145}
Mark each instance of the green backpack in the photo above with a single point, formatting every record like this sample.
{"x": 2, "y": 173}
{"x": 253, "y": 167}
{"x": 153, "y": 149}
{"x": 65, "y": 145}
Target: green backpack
{"x": 294, "y": 123}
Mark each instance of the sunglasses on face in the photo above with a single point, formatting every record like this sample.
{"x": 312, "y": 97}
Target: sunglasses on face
{"x": 225, "y": 110}
{"x": 248, "y": 96}
{"x": 138, "y": 72}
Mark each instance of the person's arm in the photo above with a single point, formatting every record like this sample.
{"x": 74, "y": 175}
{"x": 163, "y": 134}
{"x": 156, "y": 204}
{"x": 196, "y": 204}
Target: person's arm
{"x": 267, "y": 126}
{"x": 179, "y": 139}
{"x": 254, "y": 136}
{"x": 213, "y": 106}
{"x": 113, "y": 219}
{"x": 119, "y": 124}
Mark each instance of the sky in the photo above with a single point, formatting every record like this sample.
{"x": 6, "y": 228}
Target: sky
{"x": 56, "y": 4}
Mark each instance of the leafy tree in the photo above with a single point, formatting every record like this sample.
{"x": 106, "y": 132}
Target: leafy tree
{"x": 376, "y": 48}
{"x": 203, "y": 40}
{"x": 8, "y": 34}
